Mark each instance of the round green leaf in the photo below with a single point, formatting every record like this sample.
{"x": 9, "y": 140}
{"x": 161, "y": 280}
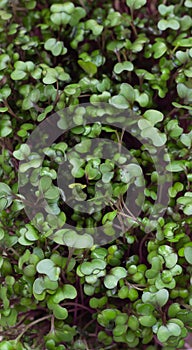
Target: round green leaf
{"x": 110, "y": 281}
{"x": 89, "y": 67}
{"x": 188, "y": 254}
{"x": 18, "y": 75}
{"x": 47, "y": 267}
{"x": 147, "y": 321}
{"x": 188, "y": 3}
{"x": 159, "y": 49}
{"x": 153, "y": 116}
{"x": 38, "y": 286}
{"x": 163, "y": 334}
{"x": 65, "y": 292}
{"x": 60, "y": 312}
{"x": 124, "y": 66}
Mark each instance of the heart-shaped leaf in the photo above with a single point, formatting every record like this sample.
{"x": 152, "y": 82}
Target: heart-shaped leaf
{"x": 47, "y": 267}
{"x": 135, "y": 4}
{"x": 124, "y": 66}
{"x": 153, "y": 116}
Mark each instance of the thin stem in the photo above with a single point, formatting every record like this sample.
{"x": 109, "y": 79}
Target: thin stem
{"x": 120, "y": 219}
{"x": 86, "y": 345}
{"x": 110, "y": 346}
{"x": 81, "y": 292}
{"x": 85, "y": 95}
{"x": 79, "y": 305}
{"x": 14, "y": 251}
{"x": 10, "y": 111}
{"x": 141, "y": 245}
{"x": 124, "y": 56}
{"x": 82, "y": 4}
{"x": 188, "y": 182}
{"x": 57, "y": 94}
{"x": 37, "y": 108}
{"x": 132, "y": 23}
{"x": 75, "y": 311}
{"x": 52, "y": 324}
{"x": 88, "y": 324}
{"x": 175, "y": 49}
{"x": 20, "y": 322}
{"x": 134, "y": 29}
{"x": 31, "y": 325}
{"x": 21, "y": 9}
{"x": 70, "y": 254}
{"x": 118, "y": 56}
{"x": 129, "y": 212}
{"x": 135, "y": 286}
{"x": 120, "y": 139}
{"x": 122, "y": 134}
{"x": 174, "y": 110}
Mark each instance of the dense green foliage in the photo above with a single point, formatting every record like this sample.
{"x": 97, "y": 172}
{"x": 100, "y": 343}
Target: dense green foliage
{"x": 135, "y": 291}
